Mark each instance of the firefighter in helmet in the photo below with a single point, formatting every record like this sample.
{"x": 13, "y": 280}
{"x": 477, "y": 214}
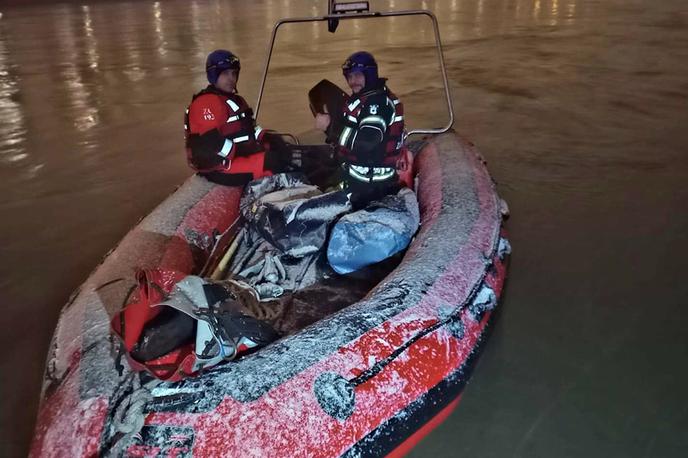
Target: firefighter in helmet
{"x": 370, "y": 143}
{"x": 223, "y": 142}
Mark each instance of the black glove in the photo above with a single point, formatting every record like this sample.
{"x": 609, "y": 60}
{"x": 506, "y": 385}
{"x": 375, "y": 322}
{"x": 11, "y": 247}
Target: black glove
{"x": 205, "y": 148}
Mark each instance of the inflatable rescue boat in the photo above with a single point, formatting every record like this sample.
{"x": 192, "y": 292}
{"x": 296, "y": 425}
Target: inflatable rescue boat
{"x": 370, "y": 379}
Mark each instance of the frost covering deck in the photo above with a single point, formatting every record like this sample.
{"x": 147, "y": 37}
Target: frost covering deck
{"x": 360, "y": 382}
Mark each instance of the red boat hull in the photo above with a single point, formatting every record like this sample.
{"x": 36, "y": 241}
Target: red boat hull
{"x": 370, "y": 380}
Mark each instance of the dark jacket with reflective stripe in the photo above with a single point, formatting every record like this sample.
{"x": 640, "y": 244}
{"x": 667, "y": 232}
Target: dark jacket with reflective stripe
{"x": 373, "y": 128}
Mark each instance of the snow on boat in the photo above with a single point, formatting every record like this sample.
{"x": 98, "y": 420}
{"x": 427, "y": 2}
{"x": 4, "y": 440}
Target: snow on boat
{"x": 371, "y": 379}
{"x": 367, "y": 381}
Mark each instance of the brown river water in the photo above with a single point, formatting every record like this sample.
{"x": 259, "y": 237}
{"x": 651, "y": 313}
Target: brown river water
{"x": 579, "y": 106}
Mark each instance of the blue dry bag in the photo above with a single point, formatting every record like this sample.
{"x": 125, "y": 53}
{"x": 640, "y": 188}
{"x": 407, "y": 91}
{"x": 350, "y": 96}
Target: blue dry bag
{"x": 375, "y": 233}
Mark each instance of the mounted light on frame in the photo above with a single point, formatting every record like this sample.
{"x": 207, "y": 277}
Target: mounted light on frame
{"x": 344, "y": 8}
{"x": 350, "y": 7}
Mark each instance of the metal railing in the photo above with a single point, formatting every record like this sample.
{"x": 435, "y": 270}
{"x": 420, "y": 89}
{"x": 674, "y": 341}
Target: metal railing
{"x": 366, "y": 15}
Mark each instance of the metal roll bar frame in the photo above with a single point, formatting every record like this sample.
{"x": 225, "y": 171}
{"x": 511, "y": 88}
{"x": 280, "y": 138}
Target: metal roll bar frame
{"x": 364, "y": 15}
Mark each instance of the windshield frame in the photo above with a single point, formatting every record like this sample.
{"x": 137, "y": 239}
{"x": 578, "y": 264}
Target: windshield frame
{"x": 366, "y": 15}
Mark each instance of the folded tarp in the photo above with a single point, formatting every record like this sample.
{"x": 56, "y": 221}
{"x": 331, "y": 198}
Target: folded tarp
{"x": 291, "y": 215}
{"x": 287, "y": 223}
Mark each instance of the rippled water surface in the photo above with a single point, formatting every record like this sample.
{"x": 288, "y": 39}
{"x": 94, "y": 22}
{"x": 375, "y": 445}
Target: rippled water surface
{"x": 579, "y": 106}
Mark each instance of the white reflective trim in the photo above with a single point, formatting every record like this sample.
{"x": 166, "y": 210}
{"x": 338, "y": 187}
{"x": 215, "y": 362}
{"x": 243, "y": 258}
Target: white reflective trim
{"x": 232, "y": 105}
{"x": 241, "y": 139}
{"x": 257, "y": 131}
{"x": 226, "y": 148}
{"x": 236, "y": 118}
{"x": 395, "y": 101}
{"x": 354, "y": 104}
{"x": 363, "y": 173}
{"x": 389, "y": 102}
{"x": 374, "y": 119}
{"x": 383, "y": 176}
{"x": 398, "y": 118}
{"x": 357, "y": 175}
{"x": 359, "y": 169}
{"x": 345, "y": 136}
{"x": 351, "y": 118}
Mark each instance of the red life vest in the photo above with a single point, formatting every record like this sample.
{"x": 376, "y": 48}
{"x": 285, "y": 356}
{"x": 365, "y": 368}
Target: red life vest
{"x": 233, "y": 118}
